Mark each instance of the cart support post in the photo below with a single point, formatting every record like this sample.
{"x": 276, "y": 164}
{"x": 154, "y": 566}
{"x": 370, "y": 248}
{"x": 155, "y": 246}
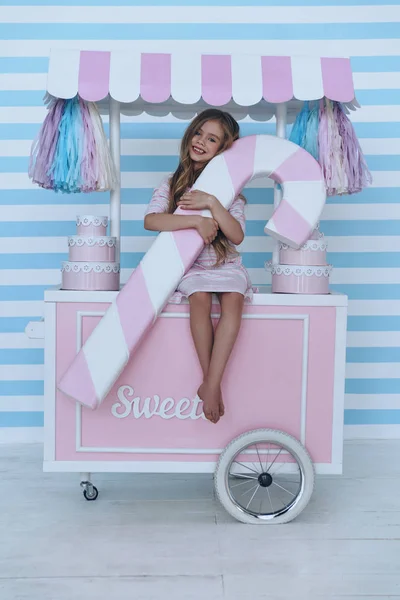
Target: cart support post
{"x": 281, "y": 122}
{"x": 115, "y": 194}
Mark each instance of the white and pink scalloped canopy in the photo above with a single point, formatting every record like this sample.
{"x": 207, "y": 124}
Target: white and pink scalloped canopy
{"x": 186, "y": 79}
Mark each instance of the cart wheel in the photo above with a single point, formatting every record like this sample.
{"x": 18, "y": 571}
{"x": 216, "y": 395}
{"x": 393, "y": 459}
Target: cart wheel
{"x": 264, "y": 477}
{"x": 91, "y": 492}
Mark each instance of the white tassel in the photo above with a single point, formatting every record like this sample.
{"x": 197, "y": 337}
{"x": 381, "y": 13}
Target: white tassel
{"x": 106, "y": 176}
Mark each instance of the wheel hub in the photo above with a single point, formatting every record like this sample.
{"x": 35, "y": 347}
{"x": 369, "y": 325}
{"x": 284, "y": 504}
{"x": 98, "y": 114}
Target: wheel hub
{"x": 265, "y": 480}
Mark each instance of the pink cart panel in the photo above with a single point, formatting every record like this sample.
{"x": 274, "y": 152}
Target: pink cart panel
{"x": 283, "y": 374}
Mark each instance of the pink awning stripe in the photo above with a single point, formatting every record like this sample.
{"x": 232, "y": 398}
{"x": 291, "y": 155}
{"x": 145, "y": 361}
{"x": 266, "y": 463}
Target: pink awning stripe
{"x": 277, "y": 78}
{"x": 216, "y": 79}
{"x": 94, "y": 75}
{"x": 337, "y": 79}
{"x": 155, "y": 77}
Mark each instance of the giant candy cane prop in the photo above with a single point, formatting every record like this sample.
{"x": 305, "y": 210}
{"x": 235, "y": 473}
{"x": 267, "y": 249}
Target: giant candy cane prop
{"x": 106, "y": 352}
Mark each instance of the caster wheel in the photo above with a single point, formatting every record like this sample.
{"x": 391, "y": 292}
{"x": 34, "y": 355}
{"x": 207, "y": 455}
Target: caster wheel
{"x": 91, "y": 493}
{"x": 264, "y": 477}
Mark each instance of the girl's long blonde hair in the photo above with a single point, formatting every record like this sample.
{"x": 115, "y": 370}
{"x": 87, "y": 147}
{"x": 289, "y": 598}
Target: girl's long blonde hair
{"x": 186, "y": 175}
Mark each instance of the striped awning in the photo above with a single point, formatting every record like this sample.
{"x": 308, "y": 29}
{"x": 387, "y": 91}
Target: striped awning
{"x": 185, "y": 79}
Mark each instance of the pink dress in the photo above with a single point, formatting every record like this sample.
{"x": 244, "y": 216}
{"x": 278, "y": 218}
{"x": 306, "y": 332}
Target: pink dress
{"x": 204, "y": 276}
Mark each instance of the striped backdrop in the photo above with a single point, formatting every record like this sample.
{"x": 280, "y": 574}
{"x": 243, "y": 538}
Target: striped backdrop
{"x": 363, "y": 231}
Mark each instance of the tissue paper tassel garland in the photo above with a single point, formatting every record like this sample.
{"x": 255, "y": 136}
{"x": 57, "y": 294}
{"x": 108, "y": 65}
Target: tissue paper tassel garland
{"x": 71, "y": 153}
{"x": 327, "y": 133}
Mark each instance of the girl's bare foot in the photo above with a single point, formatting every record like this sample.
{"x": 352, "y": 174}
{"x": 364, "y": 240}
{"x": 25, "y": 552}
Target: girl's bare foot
{"x": 221, "y": 406}
{"x": 211, "y": 397}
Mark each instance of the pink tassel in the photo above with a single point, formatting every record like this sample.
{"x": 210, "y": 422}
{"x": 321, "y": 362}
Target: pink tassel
{"x": 340, "y": 155}
{"x": 358, "y": 174}
{"x": 44, "y": 146}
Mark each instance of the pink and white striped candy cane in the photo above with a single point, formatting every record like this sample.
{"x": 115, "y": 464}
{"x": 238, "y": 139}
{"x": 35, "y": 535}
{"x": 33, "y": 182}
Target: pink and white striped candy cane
{"x": 106, "y": 352}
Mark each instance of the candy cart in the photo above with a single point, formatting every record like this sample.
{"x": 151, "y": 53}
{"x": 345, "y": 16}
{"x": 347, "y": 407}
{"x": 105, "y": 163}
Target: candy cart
{"x": 284, "y": 384}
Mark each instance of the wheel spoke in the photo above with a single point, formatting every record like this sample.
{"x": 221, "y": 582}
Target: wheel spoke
{"x": 246, "y": 467}
{"x": 279, "y": 467}
{"x": 287, "y": 481}
{"x": 242, "y": 476}
{"x": 284, "y": 489}
{"x": 258, "y": 454}
{"x": 250, "y": 490}
{"x": 266, "y": 462}
{"x": 243, "y": 482}
{"x": 276, "y": 458}
{"x": 282, "y": 464}
{"x": 280, "y": 450}
{"x": 255, "y": 492}
{"x": 270, "y": 501}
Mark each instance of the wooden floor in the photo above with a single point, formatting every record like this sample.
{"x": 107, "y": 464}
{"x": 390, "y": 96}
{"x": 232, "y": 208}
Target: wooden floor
{"x": 165, "y": 537}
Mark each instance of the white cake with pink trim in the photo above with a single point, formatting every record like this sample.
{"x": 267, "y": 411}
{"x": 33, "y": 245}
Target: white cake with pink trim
{"x": 91, "y": 264}
{"x": 302, "y": 271}
{"x": 92, "y": 248}
{"x": 91, "y": 225}
{"x": 312, "y": 252}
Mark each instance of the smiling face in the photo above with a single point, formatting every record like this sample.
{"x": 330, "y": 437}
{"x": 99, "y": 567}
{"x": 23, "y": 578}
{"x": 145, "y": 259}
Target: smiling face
{"x": 206, "y": 142}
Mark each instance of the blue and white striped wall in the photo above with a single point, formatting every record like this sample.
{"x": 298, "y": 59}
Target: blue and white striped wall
{"x": 363, "y": 231}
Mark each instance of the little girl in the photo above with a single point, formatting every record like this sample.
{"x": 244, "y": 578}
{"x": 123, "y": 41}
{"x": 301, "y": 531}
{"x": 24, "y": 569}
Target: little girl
{"x": 219, "y": 267}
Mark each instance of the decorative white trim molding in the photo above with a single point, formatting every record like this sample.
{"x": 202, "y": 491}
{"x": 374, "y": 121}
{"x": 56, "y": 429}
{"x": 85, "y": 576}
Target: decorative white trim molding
{"x": 299, "y": 270}
{"x": 92, "y": 240}
{"x": 86, "y": 267}
{"x": 339, "y": 378}
{"x": 195, "y": 451}
{"x": 264, "y": 298}
{"x": 91, "y": 220}
{"x": 310, "y": 245}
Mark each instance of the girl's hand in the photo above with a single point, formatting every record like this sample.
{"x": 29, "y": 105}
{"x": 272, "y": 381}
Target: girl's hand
{"x": 208, "y": 229}
{"x": 196, "y": 200}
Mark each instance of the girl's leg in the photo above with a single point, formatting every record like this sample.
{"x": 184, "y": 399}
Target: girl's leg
{"x": 203, "y": 337}
{"x": 201, "y": 327}
{"x": 225, "y": 338}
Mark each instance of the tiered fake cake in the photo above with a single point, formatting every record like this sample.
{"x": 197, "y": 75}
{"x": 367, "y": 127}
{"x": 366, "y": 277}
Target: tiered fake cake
{"x": 91, "y": 264}
{"x": 302, "y": 271}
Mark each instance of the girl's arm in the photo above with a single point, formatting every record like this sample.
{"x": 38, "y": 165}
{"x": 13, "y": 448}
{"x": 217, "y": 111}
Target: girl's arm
{"x": 157, "y": 217}
{"x": 206, "y": 227}
{"x": 168, "y": 222}
{"x": 227, "y": 223}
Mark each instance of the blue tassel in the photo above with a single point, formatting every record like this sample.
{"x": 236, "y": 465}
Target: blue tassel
{"x": 300, "y": 125}
{"x": 310, "y": 140}
{"x": 66, "y": 167}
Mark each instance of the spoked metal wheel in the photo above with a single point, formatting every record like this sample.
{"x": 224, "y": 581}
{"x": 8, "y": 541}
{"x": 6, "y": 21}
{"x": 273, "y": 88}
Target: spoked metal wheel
{"x": 264, "y": 477}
